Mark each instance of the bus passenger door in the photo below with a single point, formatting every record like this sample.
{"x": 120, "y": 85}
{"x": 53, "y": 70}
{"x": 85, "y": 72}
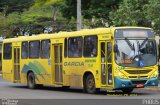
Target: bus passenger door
{"x": 106, "y": 63}
{"x": 16, "y": 66}
{"x": 57, "y": 59}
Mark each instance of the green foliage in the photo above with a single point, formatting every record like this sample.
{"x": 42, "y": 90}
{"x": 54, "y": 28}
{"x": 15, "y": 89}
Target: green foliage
{"x": 10, "y": 14}
{"x": 6, "y": 26}
{"x": 30, "y": 21}
{"x": 130, "y": 13}
{"x": 137, "y": 13}
{"x": 34, "y": 14}
{"x": 27, "y": 17}
{"x": 152, "y": 14}
{"x": 3, "y": 21}
{"x": 94, "y": 12}
{"x": 35, "y": 20}
{"x": 9, "y": 6}
{"x": 39, "y": 3}
{"x": 14, "y": 18}
{"x": 3, "y": 24}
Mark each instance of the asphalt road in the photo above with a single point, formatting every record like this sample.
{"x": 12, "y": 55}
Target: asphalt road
{"x": 57, "y": 96}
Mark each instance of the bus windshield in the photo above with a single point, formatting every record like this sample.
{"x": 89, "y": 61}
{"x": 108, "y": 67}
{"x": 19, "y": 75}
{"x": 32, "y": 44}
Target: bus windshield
{"x": 135, "y": 53}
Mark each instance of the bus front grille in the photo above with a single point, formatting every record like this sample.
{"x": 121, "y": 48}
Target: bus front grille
{"x": 137, "y": 76}
{"x": 132, "y": 76}
{"x": 139, "y": 81}
{"x": 137, "y": 71}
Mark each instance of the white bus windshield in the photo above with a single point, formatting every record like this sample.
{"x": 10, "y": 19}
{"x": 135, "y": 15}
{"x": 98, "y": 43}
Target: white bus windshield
{"x": 136, "y": 53}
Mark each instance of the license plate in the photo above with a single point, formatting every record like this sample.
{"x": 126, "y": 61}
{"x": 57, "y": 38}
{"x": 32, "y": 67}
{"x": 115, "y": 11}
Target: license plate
{"x": 139, "y": 85}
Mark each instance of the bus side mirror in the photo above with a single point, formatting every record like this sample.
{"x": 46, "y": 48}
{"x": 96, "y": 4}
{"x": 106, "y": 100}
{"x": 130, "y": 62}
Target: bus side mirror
{"x": 115, "y": 48}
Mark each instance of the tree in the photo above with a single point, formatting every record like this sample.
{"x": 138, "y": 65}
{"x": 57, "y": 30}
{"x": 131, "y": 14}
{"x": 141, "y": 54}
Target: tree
{"x": 94, "y": 12}
{"x": 129, "y": 13}
{"x": 58, "y": 22}
{"x": 14, "y": 23}
{"x": 152, "y": 14}
{"x": 30, "y": 21}
{"x": 39, "y": 3}
{"x": 9, "y": 6}
{"x": 10, "y": 15}
{"x": 3, "y": 24}
{"x": 137, "y": 13}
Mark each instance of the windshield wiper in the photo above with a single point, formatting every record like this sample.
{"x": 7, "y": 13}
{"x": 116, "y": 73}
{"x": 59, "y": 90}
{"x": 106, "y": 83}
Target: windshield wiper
{"x": 130, "y": 44}
{"x": 143, "y": 43}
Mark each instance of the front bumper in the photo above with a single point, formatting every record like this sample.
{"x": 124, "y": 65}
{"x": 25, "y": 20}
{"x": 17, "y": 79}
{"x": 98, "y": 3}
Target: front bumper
{"x": 126, "y": 83}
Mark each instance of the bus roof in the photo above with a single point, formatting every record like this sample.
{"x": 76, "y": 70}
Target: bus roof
{"x": 68, "y": 34}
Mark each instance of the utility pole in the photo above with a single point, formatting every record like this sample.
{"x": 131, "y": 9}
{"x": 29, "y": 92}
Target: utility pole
{"x": 55, "y": 10}
{"x": 79, "y": 23}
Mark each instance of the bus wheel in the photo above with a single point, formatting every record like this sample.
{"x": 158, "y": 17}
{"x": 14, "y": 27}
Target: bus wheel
{"x": 90, "y": 85}
{"x": 127, "y": 90}
{"x": 31, "y": 81}
{"x": 39, "y": 86}
{"x": 65, "y": 87}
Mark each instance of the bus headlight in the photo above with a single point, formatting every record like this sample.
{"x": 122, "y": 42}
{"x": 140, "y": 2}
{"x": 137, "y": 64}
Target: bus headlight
{"x": 155, "y": 74}
{"x": 121, "y": 75}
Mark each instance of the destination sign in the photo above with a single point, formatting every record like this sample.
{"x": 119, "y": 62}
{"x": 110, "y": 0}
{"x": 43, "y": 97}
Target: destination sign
{"x": 134, "y": 33}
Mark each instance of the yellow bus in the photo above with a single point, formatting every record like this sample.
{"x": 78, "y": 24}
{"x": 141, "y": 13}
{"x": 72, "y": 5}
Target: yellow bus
{"x": 118, "y": 58}
{"x": 158, "y": 49}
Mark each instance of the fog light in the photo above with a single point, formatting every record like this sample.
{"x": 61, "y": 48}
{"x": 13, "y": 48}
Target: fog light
{"x": 153, "y": 83}
{"x": 123, "y": 85}
{"x": 121, "y": 75}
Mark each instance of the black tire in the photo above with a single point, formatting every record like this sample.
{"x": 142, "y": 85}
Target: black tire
{"x": 31, "y": 81}
{"x": 90, "y": 85}
{"x": 65, "y": 87}
{"x": 127, "y": 90}
{"x": 39, "y": 86}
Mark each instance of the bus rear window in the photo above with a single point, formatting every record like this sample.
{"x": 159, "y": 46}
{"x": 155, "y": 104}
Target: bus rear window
{"x": 7, "y": 51}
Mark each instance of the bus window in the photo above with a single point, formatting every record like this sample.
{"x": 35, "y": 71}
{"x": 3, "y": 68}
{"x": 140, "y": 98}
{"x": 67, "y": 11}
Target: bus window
{"x": 65, "y": 47}
{"x": 90, "y": 46}
{"x": 109, "y": 51}
{"x": 34, "y": 49}
{"x": 7, "y": 52}
{"x": 75, "y": 47}
{"x": 45, "y": 48}
{"x": 24, "y": 50}
{"x": 103, "y": 55}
